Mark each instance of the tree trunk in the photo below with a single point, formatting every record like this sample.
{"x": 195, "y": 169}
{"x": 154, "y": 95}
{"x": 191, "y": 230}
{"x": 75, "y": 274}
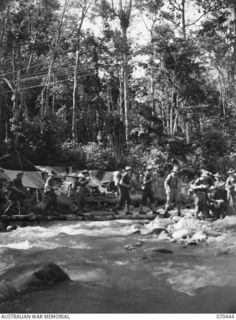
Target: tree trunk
{"x": 53, "y": 93}
{"x": 153, "y": 81}
{"x": 123, "y": 13}
{"x": 183, "y": 18}
{"x": 188, "y": 128}
{"x": 74, "y": 114}
{"x": 171, "y": 117}
{"x": 234, "y": 51}
{"x": 166, "y": 108}
{"x": 15, "y": 80}
{"x": 175, "y": 124}
{"x": 45, "y": 103}
{"x": 126, "y": 108}
{"x": 121, "y": 99}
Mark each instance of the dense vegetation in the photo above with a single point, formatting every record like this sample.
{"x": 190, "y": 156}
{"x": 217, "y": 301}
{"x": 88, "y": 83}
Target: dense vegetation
{"x": 80, "y": 85}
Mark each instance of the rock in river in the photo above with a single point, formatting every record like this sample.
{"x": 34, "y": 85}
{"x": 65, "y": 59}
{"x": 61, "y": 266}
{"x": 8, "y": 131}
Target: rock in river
{"x": 153, "y": 253}
{"x": 180, "y": 234}
{"x": 197, "y": 237}
{"x": 155, "y": 231}
{"x": 26, "y": 279}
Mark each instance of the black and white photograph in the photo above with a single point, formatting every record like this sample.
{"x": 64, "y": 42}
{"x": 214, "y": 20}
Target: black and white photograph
{"x": 117, "y": 158}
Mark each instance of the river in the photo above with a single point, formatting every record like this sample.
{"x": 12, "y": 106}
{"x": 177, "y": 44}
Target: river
{"x": 109, "y": 278}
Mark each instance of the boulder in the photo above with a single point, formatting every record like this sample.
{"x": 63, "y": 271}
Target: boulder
{"x": 133, "y": 246}
{"x": 164, "y": 250}
{"x": 155, "y": 231}
{"x": 213, "y": 233}
{"x": 136, "y": 232}
{"x": 130, "y": 247}
{"x": 30, "y": 279}
{"x": 158, "y": 223}
{"x": 197, "y": 237}
{"x": 164, "y": 235}
{"x": 155, "y": 252}
{"x": 186, "y": 223}
{"x": 180, "y": 234}
{"x": 175, "y": 219}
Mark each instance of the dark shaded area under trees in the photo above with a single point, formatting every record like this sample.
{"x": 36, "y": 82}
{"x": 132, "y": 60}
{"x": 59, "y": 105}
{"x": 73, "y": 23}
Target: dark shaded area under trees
{"x": 69, "y": 97}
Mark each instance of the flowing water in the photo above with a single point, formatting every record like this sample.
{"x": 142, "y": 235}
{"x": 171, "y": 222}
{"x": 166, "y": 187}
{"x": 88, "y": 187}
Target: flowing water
{"x": 109, "y": 278}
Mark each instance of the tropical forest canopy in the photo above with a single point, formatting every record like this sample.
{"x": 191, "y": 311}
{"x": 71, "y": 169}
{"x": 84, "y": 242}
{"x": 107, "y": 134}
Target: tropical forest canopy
{"x": 98, "y": 83}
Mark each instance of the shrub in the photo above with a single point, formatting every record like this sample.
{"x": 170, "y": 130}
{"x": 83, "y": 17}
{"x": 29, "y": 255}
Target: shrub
{"x": 98, "y": 158}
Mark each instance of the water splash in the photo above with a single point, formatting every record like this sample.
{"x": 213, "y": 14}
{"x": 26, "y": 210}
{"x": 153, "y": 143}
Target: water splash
{"x": 99, "y": 228}
{"x": 96, "y": 275}
{"x": 187, "y": 278}
{"x": 23, "y": 245}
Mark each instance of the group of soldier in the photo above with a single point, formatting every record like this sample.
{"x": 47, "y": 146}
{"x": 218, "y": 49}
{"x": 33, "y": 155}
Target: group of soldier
{"x": 14, "y": 195}
{"x": 76, "y": 189}
{"x": 212, "y": 195}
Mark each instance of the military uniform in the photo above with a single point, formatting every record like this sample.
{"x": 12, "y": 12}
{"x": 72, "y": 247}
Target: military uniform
{"x": 116, "y": 178}
{"x": 200, "y": 188}
{"x": 124, "y": 189}
{"x": 81, "y": 185}
{"x": 17, "y": 194}
{"x": 49, "y": 191}
{"x": 172, "y": 188}
{"x": 147, "y": 188}
{"x": 218, "y": 208}
{"x": 220, "y": 193}
{"x": 116, "y": 181}
{"x": 230, "y": 187}
{"x": 147, "y": 192}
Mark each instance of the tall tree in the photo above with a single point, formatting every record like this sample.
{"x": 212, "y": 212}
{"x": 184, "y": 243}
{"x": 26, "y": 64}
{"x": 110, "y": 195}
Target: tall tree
{"x": 25, "y": 37}
{"x": 81, "y": 9}
{"x": 123, "y": 12}
{"x": 151, "y": 16}
{"x": 54, "y": 49}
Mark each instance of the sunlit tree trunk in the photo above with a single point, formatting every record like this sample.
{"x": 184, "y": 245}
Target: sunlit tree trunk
{"x": 74, "y": 108}
{"x": 188, "y": 131}
{"x": 183, "y": 18}
{"x": 123, "y": 12}
{"x": 121, "y": 97}
{"x": 153, "y": 81}
{"x": 126, "y": 94}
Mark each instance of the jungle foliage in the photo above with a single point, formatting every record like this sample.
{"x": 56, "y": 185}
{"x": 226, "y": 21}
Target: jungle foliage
{"x": 79, "y": 87}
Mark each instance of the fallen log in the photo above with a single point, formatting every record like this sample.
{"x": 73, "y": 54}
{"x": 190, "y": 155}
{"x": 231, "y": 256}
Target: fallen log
{"x": 34, "y": 218}
{"x": 88, "y": 216}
